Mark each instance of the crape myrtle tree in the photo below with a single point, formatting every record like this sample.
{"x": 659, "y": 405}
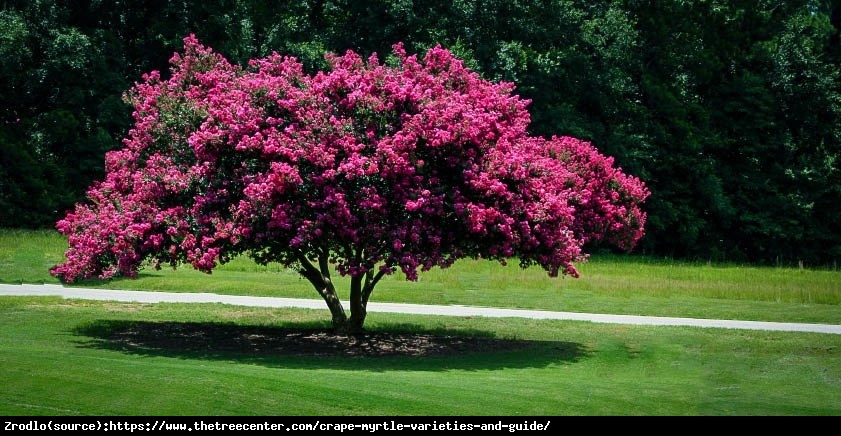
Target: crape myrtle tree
{"x": 365, "y": 169}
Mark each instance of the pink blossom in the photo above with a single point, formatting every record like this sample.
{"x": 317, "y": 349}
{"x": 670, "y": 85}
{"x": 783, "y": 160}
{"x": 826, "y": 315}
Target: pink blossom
{"x": 403, "y": 167}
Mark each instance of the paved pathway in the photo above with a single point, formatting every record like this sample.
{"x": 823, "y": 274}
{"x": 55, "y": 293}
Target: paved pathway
{"x": 176, "y": 297}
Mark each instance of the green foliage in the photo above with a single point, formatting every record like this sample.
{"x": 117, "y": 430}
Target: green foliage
{"x": 727, "y": 85}
{"x": 728, "y": 109}
{"x": 57, "y": 119}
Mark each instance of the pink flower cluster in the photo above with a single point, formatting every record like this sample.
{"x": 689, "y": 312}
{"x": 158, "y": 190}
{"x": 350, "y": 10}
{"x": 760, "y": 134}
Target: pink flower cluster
{"x": 381, "y": 167}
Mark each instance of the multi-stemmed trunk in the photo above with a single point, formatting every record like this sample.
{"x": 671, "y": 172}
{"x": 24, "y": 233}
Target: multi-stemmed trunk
{"x": 360, "y": 291}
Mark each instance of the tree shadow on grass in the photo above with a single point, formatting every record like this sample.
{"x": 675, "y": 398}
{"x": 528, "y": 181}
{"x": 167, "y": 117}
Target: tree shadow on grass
{"x": 392, "y": 348}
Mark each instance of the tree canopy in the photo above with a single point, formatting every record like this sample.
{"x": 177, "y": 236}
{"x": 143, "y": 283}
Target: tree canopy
{"x": 370, "y": 167}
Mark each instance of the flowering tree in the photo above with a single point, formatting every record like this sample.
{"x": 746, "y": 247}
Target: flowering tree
{"x": 366, "y": 167}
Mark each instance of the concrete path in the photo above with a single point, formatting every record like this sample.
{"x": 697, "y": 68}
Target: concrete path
{"x": 176, "y": 297}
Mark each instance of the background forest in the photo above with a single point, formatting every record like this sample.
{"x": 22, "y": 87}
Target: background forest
{"x": 727, "y": 109}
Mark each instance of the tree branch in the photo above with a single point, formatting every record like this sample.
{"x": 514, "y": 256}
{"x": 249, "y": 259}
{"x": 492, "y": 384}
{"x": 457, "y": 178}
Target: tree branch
{"x": 324, "y": 265}
{"x": 309, "y": 271}
{"x": 369, "y": 285}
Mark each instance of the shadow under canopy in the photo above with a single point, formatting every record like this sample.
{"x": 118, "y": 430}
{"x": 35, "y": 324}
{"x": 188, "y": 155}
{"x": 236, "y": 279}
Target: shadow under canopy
{"x": 395, "y": 347}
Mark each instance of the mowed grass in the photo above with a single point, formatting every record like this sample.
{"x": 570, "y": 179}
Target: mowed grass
{"x": 57, "y": 358}
{"x": 633, "y": 285}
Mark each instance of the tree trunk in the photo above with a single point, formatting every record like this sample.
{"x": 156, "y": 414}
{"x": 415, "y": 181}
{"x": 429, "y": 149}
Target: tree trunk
{"x": 320, "y": 279}
{"x": 360, "y": 291}
{"x": 358, "y": 308}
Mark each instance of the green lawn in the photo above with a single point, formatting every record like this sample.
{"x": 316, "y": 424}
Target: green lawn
{"x": 631, "y": 285}
{"x": 60, "y": 357}
{"x": 57, "y": 357}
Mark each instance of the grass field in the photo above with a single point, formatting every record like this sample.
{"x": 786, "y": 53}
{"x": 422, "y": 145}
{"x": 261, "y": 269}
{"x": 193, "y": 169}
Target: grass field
{"x": 631, "y": 285}
{"x": 56, "y": 359}
{"x": 61, "y": 357}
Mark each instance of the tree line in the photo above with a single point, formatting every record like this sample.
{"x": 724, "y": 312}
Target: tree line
{"x": 728, "y": 110}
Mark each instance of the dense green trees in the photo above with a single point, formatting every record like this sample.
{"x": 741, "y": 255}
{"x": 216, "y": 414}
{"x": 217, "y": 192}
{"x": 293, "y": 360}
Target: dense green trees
{"x": 727, "y": 109}
{"x": 742, "y": 107}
